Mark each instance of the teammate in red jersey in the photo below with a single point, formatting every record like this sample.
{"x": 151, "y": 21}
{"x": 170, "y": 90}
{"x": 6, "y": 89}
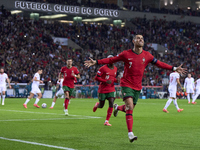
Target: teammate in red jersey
{"x": 69, "y": 73}
{"x": 135, "y": 61}
{"x": 106, "y": 75}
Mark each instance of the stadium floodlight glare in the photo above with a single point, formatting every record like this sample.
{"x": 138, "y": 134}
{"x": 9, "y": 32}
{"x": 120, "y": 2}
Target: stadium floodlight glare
{"x": 53, "y": 16}
{"x": 96, "y": 19}
{"x": 16, "y": 12}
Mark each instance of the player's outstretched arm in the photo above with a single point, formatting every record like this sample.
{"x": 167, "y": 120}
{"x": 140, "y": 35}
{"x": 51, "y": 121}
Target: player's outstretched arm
{"x": 111, "y": 60}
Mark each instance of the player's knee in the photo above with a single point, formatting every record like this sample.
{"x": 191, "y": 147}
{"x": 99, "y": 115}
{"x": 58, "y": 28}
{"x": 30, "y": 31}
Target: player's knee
{"x": 129, "y": 107}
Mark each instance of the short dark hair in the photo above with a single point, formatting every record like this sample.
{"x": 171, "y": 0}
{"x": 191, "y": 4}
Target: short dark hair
{"x": 69, "y": 58}
{"x": 136, "y": 35}
{"x": 2, "y": 68}
{"x": 40, "y": 69}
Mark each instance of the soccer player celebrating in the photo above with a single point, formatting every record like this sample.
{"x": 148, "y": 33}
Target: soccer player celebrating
{"x": 189, "y": 86}
{"x": 3, "y": 78}
{"x": 135, "y": 61}
{"x": 70, "y": 73}
{"x": 60, "y": 92}
{"x": 106, "y": 75}
{"x": 173, "y": 80}
{"x": 35, "y": 89}
{"x": 197, "y": 88}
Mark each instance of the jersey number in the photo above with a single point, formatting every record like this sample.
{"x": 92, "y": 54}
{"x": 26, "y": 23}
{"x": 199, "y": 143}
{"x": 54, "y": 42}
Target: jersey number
{"x": 171, "y": 79}
{"x": 130, "y": 63}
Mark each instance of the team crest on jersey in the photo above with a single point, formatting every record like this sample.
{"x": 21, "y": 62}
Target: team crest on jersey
{"x": 143, "y": 60}
{"x": 124, "y": 94}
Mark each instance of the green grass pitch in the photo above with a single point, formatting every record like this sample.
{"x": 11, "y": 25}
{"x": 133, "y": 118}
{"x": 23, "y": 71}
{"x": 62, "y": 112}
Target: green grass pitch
{"x": 84, "y": 130}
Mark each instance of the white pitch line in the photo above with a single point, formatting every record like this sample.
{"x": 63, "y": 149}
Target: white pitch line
{"x": 46, "y": 113}
{"x": 42, "y": 119}
{"x": 35, "y": 143}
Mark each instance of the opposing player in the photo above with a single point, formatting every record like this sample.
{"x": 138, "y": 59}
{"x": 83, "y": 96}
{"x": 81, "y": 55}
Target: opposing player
{"x": 135, "y": 61}
{"x": 35, "y": 89}
{"x": 189, "y": 86}
{"x": 59, "y": 93}
{"x": 173, "y": 80}
{"x": 3, "y": 79}
{"x": 106, "y": 75}
{"x": 70, "y": 73}
{"x": 197, "y": 88}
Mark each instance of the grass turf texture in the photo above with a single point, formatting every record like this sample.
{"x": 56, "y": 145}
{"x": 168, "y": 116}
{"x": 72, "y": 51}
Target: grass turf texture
{"x": 155, "y": 129}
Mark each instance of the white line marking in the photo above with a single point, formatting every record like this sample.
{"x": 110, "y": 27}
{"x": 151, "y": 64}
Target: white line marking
{"x": 35, "y": 143}
{"x": 46, "y": 113}
{"x": 42, "y": 119}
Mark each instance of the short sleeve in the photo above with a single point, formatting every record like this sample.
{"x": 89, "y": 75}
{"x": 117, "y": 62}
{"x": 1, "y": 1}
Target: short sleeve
{"x": 6, "y": 76}
{"x": 100, "y": 72}
{"x": 62, "y": 70}
{"x": 76, "y": 71}
{"x": 178, "y": 76}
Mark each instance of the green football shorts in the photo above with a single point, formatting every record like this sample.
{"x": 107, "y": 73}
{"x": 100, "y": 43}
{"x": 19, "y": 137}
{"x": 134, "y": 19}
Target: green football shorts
{"x": 70, "y": 90}
{"x": 128, "y": 92}
{"x": 104, "y": 96}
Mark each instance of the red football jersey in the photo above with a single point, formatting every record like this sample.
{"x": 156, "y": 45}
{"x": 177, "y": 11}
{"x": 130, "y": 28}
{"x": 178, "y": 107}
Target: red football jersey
{"x": 134, "y": 65}
{"x": 68, "y": 78}
{"x": 108, "y": 74}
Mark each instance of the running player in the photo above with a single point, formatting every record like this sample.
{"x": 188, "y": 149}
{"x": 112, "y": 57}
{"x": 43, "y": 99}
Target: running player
{"x": 197, "y": 88}
{"x": 3, "y": 78}
{"x": 189, "y": 86}
{"x": 69, "y": 73}
{"x": 35, "y": 89}
{"x": 59, "y": 93}
{"x": 135, "y": 61}
{"x": 173, "y": 80}
{"x": 106, "y": 75}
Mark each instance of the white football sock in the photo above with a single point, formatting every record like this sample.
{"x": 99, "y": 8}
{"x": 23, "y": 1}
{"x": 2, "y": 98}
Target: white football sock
{"x": 53, "y": 103}
{"x": 37, "y": 100}
{"x": 3, "y": 98}
{"x": 176, "y": 104}
{"x": 188, "y": 97}
{"x": 195, "y": 97}
{"x": 27, "y": 100}
{"x": 168, "y": 103}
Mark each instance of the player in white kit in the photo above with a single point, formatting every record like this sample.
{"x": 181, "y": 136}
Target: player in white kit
{"x": 189, "y": 86}
{"x": 58, "y": 93}
{"x": 35, "y": 89}
{"x": 197, "y": 88}
{"x": 174, "y": 79}
{"x": 3, "y": 78}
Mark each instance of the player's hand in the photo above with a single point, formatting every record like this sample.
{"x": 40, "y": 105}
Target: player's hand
{"x": 73, "y": 74}
{"x": 89, "y": 63}
{"x": 118, "y": 80}
{"x": 109, "y": 81}
{"x": 41, "y": 81}
{"x": 181, "y": 70}
{"x": 10, "y": 86}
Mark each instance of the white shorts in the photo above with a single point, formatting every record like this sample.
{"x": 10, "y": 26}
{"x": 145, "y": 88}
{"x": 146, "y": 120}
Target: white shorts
{"x": 172, "y": 93}
{"x": 60, "y": 93}
{"x": 35, "y": 90}
{"x": 2, "y": 88}
{"x": 189, "y": 90}
{"x": 198, "y": 91}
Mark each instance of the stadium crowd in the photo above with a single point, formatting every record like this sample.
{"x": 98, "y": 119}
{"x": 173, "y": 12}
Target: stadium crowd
{"x": 27, "y": 45}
